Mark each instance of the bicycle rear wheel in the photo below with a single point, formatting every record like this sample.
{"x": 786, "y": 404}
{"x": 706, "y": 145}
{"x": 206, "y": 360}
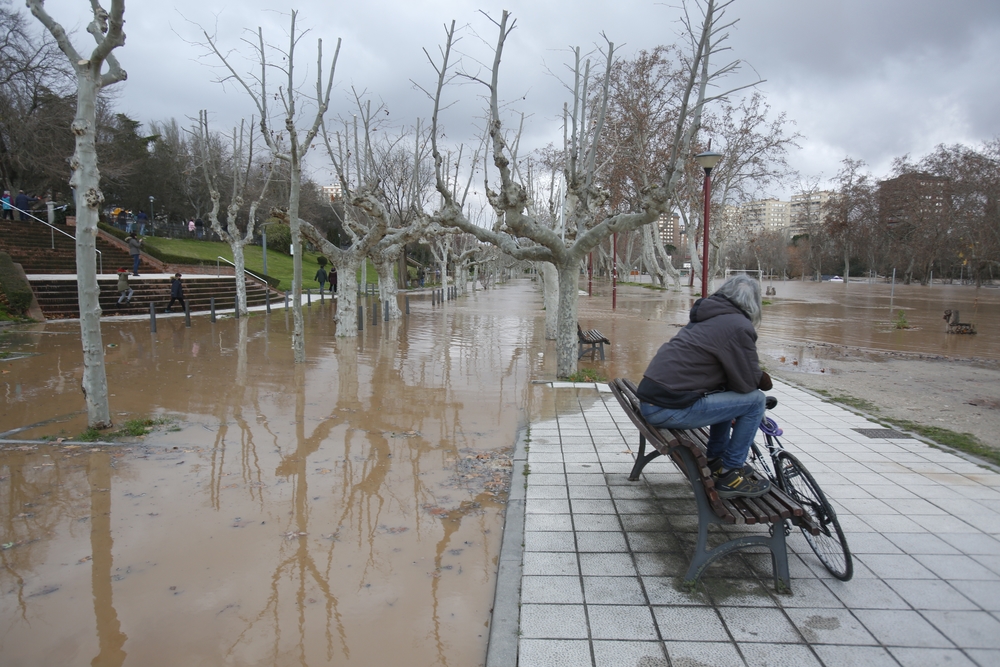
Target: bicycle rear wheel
{"x": 830, "y": 545}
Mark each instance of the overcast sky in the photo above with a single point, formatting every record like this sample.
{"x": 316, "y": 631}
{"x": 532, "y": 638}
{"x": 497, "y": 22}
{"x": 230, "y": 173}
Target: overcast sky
{"x": 873, "y": 80}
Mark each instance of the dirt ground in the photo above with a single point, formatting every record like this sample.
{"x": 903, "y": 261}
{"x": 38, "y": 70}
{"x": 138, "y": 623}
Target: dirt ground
{"x": 956, "y": 394}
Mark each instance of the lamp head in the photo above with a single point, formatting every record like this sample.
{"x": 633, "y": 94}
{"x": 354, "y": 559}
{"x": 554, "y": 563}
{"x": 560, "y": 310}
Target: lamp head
{"x": 708, "y": 160}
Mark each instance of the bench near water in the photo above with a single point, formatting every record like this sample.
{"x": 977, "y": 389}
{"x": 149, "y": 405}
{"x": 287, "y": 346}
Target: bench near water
{"x": 590, "y": 342}
{"x": 686, "y": 449}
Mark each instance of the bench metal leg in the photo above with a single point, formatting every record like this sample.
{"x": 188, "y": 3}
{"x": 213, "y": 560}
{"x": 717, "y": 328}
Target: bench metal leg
{"x": 602, "y": 351}
{"x": 703, "y": 556}
{"x": 641, "y": 459}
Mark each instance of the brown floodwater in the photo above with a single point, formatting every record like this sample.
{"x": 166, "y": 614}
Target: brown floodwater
{"x": 346, "y": 511}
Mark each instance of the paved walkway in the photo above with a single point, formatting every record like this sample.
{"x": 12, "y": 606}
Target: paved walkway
{"x": 591, "y": 562}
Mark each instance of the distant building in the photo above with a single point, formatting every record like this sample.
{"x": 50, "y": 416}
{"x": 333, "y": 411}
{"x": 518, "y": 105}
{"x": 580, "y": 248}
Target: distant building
{"x": 334, "y": 191}
{"x": 912, "y": 199}
{"x": 806, "y": 209}
{"x": 766, "y": 215}
{"x": 672, "y": 232}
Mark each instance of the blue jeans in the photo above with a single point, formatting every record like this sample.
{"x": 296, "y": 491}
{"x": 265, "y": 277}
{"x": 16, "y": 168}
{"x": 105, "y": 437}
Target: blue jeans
{"x": 135, "y": 264}
{"x": 717, "y": 411}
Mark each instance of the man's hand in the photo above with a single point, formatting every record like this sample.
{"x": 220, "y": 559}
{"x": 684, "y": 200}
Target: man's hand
{"x": 765, "y": 381}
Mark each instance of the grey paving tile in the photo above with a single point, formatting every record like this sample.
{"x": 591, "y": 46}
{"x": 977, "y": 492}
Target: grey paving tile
{"x": 553, "y": 621}
{"x": 580, "y": 457}
{"x": 870, "y": 543}
{"x": 551, "y": 590}
{"x": 589, "y": 479}
{"x": 757, "y": 624}
{"x": 652, "y": 541}
{"x": 895, "y": 566}
{"x": 973, "y": 543}
{"x": 638, "y": 506}
{"x": 632, "y": 491}
{"x": 548, "y": 522}
{"x": 855, "y": 656}
{"x": 545, "y": 506}
{"x": 686, "y": 623}
{"x": 545, "y": 479}
{"x": 546, "y": 468}
{"x": 670, "y": 591}
{"x": 809, "y": 593}
{"x": 613, "y": 590}
{"x": 607, "y": 564}
{"x": 892, "y": 523}
{"x": 931, "y": 594}
{"x": 621, "y": 622}
{"x": 742, "y": 592}
{"x": 595, "y": 541}
{"x": 545, "y": 492}
{"x": 984, "y": 658}
{"x": 583, "y": 468}
{"x": 599, "y": 522}
{"x": 645, "y": 522}
{"x": 922, "y": 543}
{"x": 662, "y": 564}
{"x": 581, "y": 506}
{"x": 695, "y": 654}
{"x": 873, "y": 594}
{"x": 589, "y": 492}
{"x": 967, "y": 629}
{"x": 778, "y": 655}
{"x": 954, "y": 568}
{"x": 617, "y": 654}
{"x": 992, "y": 561}
{"x": 549, "y": 541}
{"x": 930, "y": 657}
{"x": 547, "y": 563}
{"x": 898, "y": 627}
{"x": 552, "y": 653}
{"x": 986, "y": 594}
{"x": 830, "y": 626}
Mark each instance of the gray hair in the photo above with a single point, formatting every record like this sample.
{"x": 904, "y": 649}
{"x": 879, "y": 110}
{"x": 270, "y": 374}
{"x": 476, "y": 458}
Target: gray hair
{"x": 744, "y": 291}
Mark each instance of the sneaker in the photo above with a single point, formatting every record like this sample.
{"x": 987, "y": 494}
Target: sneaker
{"x": 715, "y": 466}
{"x": 741, "y": 483}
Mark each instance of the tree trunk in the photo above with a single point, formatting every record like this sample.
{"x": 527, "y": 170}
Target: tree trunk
{"x": 86, "y": 182}
{"x": 347, "y": 295}
{"x": 566, "y": 334}
{"x": 550, "y": 297}
{"x": 387, "y": 291}
{"x": 298, "y": 331}
{"x": 241, "y": 281}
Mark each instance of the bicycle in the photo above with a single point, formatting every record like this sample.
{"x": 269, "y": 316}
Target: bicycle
{"x": 830, "y": 546}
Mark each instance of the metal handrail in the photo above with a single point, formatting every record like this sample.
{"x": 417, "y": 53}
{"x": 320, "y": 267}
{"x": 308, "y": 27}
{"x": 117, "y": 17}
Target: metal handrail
{"x": 100, "y": 255}
{"x": 219, "y": 273}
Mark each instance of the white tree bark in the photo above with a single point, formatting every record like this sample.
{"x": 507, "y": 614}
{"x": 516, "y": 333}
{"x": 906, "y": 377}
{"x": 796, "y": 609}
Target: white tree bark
{"x": 550, "y": 297}
{"x": 298, "y": 145}
{"x": 106, "y": 29}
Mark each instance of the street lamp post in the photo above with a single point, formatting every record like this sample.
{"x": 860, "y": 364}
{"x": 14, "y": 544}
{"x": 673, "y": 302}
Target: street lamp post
{"x": 707, "y": 160}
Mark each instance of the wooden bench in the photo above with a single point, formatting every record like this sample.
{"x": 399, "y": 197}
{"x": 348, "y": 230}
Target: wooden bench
{"x": 686, "y": 448}
{"x": 590, "y": 342}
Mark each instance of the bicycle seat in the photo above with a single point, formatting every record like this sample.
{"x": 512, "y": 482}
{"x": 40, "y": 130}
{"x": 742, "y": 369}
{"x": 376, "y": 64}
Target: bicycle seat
{"x": 771, "y": 403}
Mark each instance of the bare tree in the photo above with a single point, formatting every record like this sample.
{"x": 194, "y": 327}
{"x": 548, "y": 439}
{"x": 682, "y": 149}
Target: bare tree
{"x": 587, "y": 223}
{"x": 242, "y": 166}
{"x": 91, "y": 78}
{"x": 298, "y": 142}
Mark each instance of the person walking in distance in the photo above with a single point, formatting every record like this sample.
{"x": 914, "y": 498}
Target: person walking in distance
{"x": 124, "y": 290}
{"x": 176, "y": 292}
{"x": 8, "y": 211}
{"x": 134, "y": 245}
{"x": 320, "y": 277}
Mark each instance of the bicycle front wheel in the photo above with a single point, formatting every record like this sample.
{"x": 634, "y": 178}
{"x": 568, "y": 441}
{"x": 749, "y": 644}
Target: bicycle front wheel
{"x": 830, "y": 545}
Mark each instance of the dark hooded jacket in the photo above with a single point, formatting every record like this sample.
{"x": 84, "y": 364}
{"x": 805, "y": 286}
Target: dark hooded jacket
{"x": 716, "y": 351}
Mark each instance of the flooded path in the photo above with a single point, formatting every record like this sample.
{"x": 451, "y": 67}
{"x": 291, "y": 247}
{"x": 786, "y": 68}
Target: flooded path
{"x": 347, "y": 511}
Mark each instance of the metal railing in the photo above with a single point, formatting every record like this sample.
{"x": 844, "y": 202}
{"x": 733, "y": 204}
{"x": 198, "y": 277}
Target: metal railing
{"x": 218, "y": 269}
{"x": 54, "y": 229}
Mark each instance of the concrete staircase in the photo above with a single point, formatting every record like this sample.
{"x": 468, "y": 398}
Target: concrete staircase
{"x": 57, "y": 296}
{"x": 39, "y": 250}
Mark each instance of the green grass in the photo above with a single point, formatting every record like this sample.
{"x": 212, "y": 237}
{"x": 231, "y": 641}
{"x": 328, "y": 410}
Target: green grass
{"x": 279, "y": 265}
{"x": 133, "y": 428}
{"x": 643, "y": 285}
{"x": 587, "y": 375}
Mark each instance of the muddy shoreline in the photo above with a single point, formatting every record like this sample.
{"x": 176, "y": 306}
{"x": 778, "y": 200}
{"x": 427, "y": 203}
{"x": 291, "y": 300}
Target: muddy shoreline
{"x": 958, "y": 394}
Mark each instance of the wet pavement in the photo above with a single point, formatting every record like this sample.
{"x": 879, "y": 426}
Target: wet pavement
{"x": 592, "y": 575}
{"x": 344, "y": 511}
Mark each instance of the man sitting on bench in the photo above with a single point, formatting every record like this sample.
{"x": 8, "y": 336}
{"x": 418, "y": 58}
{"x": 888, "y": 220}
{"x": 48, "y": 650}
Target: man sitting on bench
{"x": 709, "y": 375}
